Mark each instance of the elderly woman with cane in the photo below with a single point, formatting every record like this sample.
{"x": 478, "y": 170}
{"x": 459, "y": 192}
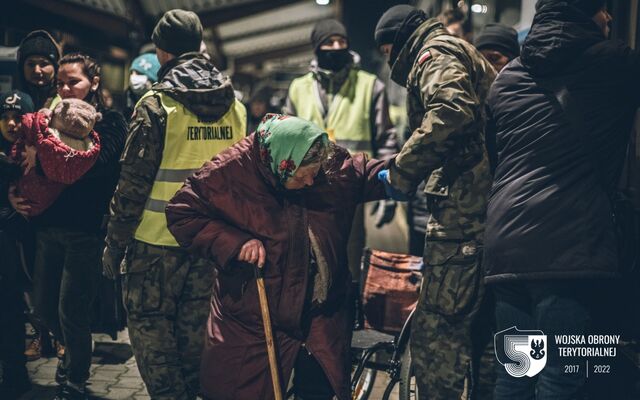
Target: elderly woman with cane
{"x": 282, "y": 199}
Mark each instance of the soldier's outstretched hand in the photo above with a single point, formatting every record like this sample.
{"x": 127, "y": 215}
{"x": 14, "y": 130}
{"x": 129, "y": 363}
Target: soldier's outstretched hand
{"x": 392, "y": 192}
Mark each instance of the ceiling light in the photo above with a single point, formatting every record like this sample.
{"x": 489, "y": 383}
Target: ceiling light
{"x": 479, "y": 8}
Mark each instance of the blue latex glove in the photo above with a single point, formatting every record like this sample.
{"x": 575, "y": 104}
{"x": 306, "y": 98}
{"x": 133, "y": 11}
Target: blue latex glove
{"x": 392, "y": 192}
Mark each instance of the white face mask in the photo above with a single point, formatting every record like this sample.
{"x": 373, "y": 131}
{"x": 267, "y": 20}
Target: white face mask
{"x": 139, "y": 82}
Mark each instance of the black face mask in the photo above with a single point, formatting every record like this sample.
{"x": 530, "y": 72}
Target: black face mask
{"x": 390, "y": 63}
{"x": 333, "y": 60}
{"x": 399, "y": 72}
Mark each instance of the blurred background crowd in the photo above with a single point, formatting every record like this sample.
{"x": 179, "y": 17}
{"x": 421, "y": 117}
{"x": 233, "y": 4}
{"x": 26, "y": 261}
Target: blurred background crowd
{"x": 262, "y": 45}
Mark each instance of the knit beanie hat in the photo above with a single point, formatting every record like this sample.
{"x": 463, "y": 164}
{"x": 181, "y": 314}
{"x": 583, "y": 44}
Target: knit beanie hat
{"x": 324, "y": 29}
{"x": 392, "y": 21}
{"x": 74, "y": 117}
{"x": 178, "y": 32}
{"x": 589, "y": 7}
{"x": 15, "y": 100}
{"x": 397, "y": 25}
{"x": 499, "y": 37}
{"x": 39, "y": 43}
{"x": 147, "y": 64}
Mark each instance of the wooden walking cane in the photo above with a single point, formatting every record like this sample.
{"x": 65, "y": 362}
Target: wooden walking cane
{"x": 268, "y": 334}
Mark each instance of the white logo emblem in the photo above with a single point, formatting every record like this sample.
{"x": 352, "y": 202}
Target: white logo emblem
{"x": 523, "y": 353}
{"x": 146, "y": 65}
{"x": 12, "y": 100}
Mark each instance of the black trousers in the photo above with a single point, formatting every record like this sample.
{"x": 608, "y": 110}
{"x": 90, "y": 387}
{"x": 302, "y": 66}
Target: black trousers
{"x": 309, "y": 380}
{"x": 67, "y": 271}
{"x": 11, "y": 313}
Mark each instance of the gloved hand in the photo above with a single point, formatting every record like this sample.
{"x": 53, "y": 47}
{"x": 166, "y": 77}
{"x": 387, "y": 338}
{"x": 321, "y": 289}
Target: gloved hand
{"x": 383, "y": 212}
{"x": 392, "y": 192}
{"x": 112, "y": 259}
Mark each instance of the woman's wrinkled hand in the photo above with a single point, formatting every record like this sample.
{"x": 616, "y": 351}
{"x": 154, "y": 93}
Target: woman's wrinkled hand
{"x": 253, "y": 252}
{"x": 18, "y": 203}
{"x": 29, "y": 158}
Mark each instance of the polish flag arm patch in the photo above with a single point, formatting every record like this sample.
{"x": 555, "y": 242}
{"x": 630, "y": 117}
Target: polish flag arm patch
{"x": 424, "y": 56}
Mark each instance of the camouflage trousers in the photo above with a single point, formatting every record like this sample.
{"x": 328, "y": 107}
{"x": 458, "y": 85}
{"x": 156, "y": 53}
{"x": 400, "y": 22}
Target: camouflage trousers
{"x": 451, "y": 331}
{"x": 167, "y": 295}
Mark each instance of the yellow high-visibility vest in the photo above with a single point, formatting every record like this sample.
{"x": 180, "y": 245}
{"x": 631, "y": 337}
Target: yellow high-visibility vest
{"x": 347, "y": 120}
{"x": 188, "y": 144}
{"x": 54, "y": 102}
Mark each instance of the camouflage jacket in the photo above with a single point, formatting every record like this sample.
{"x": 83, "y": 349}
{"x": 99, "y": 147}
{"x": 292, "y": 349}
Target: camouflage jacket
{"x": 447, "y": 84}
{"x": 190, "y": 79}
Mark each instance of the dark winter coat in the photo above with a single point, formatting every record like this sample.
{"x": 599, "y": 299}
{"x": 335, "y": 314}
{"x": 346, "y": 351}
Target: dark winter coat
{"x": 549, "y": 214}
{"x": 234, "y": 199}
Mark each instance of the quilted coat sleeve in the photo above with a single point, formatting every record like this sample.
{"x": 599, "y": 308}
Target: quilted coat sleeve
{"x": 33, "y": 124}
{"x": 365, "y": 176}
{"x": 28, "y": 133}
{"x": 198, "y": 225}
{"x": 62, "y": 164}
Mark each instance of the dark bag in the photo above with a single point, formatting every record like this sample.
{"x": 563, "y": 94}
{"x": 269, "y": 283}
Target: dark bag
{"x": 109, "y": 316}
{"x": 391, "y": 286}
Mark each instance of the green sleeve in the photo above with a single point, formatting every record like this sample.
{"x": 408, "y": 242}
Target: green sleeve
{"x": 139, "y": 164}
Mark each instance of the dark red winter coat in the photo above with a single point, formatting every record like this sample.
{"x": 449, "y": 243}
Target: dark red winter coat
{"x": 58, "y": 164}
{"x": 235, "y": 198}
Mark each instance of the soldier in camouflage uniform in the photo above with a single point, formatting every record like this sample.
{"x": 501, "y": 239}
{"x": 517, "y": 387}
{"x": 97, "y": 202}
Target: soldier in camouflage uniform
{"x": 447, "y": 81}
{"x": 189, "y": 116}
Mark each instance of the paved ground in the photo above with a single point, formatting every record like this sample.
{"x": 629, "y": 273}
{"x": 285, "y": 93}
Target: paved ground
{"x": 114, "y": 374}
{"x": 380, "y": 385}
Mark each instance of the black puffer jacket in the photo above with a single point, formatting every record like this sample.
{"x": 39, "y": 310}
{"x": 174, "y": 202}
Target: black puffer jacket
{"x": 549, "y": 214}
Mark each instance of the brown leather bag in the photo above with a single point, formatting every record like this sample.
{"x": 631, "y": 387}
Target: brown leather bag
{"x": 391, "y": 285}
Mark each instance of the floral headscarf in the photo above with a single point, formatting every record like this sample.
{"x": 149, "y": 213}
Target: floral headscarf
{"x": 284, "y": 141}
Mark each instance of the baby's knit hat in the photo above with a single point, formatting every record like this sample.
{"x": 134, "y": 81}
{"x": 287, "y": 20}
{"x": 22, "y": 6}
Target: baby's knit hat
{"x": 74, "y": 117}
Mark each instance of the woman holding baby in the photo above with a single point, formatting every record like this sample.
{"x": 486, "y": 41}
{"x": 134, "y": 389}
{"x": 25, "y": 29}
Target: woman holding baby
{"x": 69, "y": 231}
